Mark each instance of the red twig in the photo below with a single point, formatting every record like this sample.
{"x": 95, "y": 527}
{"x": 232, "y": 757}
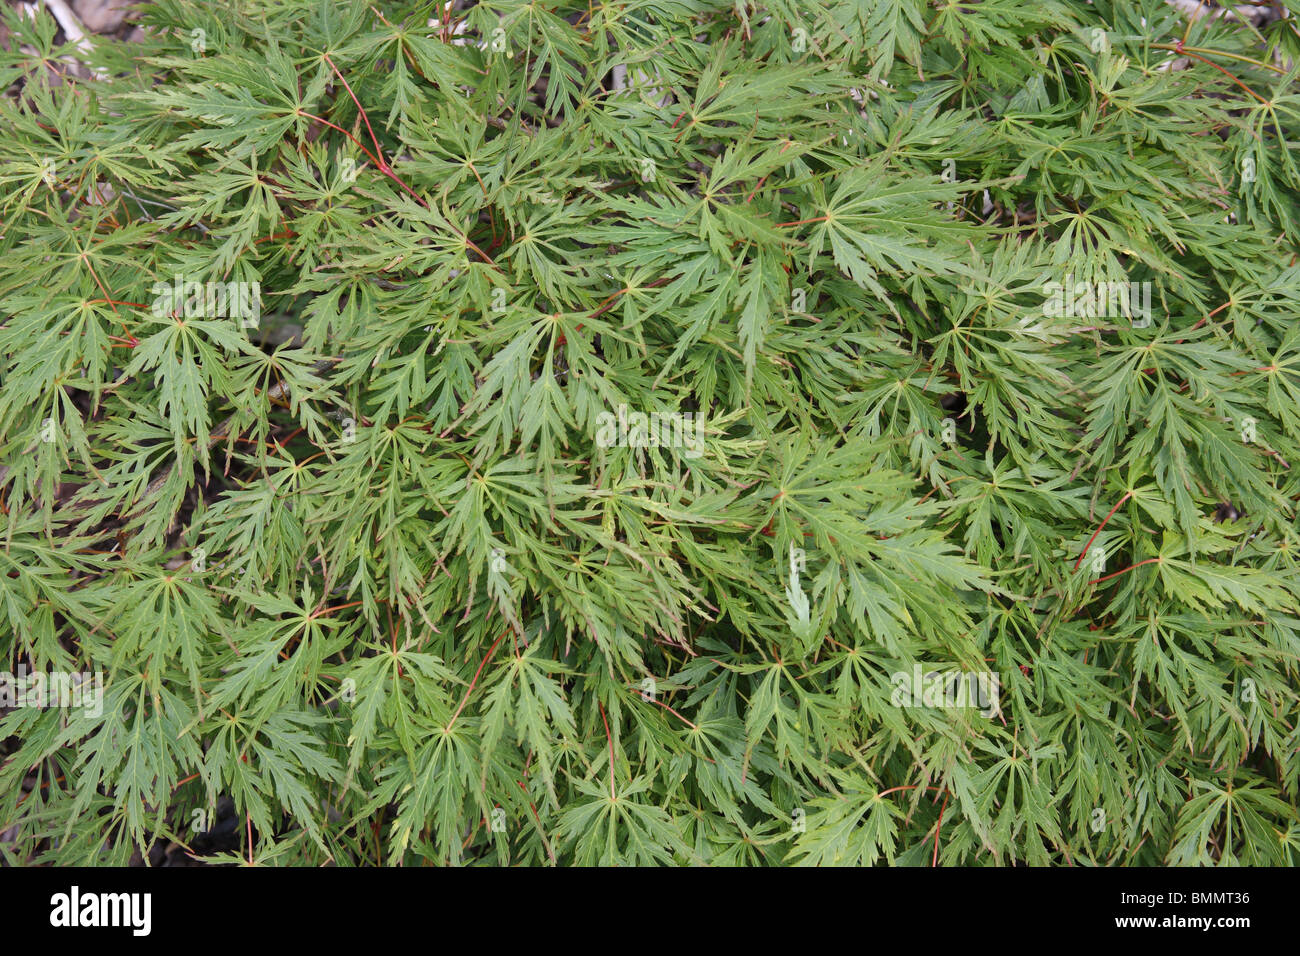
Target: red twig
{"x": 1179, "y": 48}
{"x": 338, "y": 607}
{"x": 802, "y": 222}
{"x": 360, "y": 145}
{"x": 938, "y": 827}
{"x": 469, "y": 690}
{"x": 1127, "y": 495}
{"x": 750, "y": 197}
{"x": 382, "y": 164}
{"x": 611, "y": 750}
{"x": 912, "y": 786}
{"x": 1129, "y": 568}
{"x": 670, "y": 710}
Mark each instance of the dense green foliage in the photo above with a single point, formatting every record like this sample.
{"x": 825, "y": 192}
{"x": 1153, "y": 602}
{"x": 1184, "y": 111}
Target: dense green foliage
{"x": 377, "y": 568}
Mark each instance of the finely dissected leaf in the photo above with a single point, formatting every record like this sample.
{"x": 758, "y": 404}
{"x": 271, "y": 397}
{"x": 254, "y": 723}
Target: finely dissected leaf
{"x": 678, "y": 432}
